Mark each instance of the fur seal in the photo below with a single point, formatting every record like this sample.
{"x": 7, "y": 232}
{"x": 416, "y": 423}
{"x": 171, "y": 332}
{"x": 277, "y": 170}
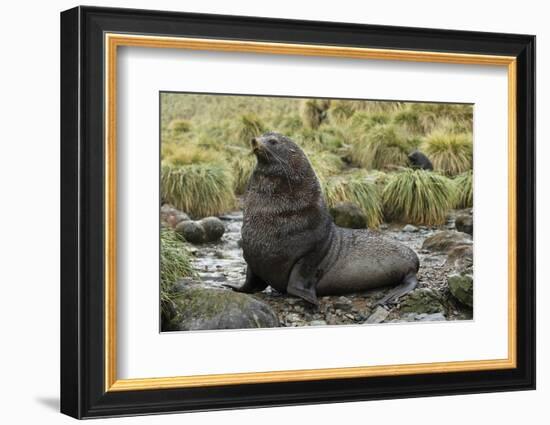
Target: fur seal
{"x": 291, "y": 243}
{"x": 419, "y": 160}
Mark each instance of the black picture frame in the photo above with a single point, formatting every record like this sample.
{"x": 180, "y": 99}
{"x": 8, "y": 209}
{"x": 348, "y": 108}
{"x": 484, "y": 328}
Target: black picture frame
{"x": 83, "y": 392}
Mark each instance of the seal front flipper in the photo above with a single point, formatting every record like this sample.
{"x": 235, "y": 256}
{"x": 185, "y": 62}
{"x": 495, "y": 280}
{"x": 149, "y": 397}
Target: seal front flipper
{"x": 409, "y": 283}
{"x": 302, "y": 282}
{"x": 251, "y": 284}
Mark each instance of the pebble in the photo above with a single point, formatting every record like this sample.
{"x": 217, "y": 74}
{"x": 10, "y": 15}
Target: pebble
{"x": 318, "y": 323}
{"x": 378, "y": 316}
{"x": 409, "y": 228}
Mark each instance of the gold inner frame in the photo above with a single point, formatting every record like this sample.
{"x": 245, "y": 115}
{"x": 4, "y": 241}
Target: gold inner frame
{"x": 113, "y": 41}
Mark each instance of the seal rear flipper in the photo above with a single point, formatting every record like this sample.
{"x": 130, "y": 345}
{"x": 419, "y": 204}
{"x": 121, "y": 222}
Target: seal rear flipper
{"x": 252, "y": 283}
{"x": 407, "y": 285}
{"x": 302, "y": 282}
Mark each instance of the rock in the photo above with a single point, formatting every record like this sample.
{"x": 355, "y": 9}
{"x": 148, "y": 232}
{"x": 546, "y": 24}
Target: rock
{"x": 461, "y": 258}
{"x": 424, "y": 317}
{"x": 383, "y": 226}
{"x": 318, "y": 323}
{"x": 422, "y": 300}
{"x": 343, "y": 303}
{"x": 192, "y": 231}
{"x": 213, "y": 228}
{"x": 465, "y": 223}
{"x": 462, "y": 288}
{"x": 348, "y": 215}
{"x": 378, "y": 316}
{"x": 172, "y": 216}
{"x": 409, "y": 228}
{"x": 446, "y": 240}
{"x": 199, "y": 308}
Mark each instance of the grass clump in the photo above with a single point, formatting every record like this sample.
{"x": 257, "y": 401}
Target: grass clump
{"x": 364, "y": 121}
{"x": 250, "y": 126}
{"x": 175, "y": 262}
{"x": 464, "y": 184}
{"x": 198, "y": 189}
{"x": 243, "y": 166}
{"x": 180, "y": 126}
{"x": 451, "y": 154}
{"x": 314, "y": 112}
{"x": 382, "y": 146}
{"x": 357, "y": 188}
{"x": 325, "y": 164}
{"x": 178, "y": 155}
{"x": 341, "y": 111}
{"x": 418, "y": 196}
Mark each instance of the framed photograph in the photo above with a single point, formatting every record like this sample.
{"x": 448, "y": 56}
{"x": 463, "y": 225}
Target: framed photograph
{"x": 261, "y": 212}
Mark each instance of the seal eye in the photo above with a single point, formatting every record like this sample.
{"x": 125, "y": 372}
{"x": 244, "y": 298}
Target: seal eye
{"x": 273, "y": 141}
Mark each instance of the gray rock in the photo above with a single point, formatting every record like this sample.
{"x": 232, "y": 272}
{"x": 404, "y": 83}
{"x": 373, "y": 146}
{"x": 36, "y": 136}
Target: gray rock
{"x": 192, "y": 231}
{"x": 213, "y": 228}
{"x": 446, "y": 240}
{"x": 343, "y": 303}
{"x": 435, "y": 317}
{"x": 462, "y": 288}
{"x": 172, "y": 216}
{"x": 465, "y": 223}
{"x": 378, "y": 316}
{"x": 409, "y": 228}
{"x": 461, "y": 258}
{"x": 318, "y": 323}
{"x": 198, "y": 308}
{"x": 348, "y": 215}
{"x": 423, "y": 300}
{"x": 383, "y": 226}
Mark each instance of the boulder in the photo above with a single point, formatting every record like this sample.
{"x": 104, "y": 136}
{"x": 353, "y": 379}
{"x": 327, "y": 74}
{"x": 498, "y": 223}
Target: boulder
{"x": 379, "y": 315}
{"x": 347, "y": 214}
{"x": 192, "y": 231}
{"x": 462, "y": 287}
{"x": 409, "y": 228}
{"x": 213, "y": 228}
{"x": 172, "y": 216}
{"x": 209, "y": 229}
{"x": 465, "y": 223}
{"x": 423, "y": 300}
{"x": 197, "y": 308}
{"x": 461, "y": 258}
{"x": 446, "y": 240}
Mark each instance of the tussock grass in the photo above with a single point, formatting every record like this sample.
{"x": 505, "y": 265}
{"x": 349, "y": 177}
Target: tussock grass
{"x": 382, "y": 146}
{"x": 198, "y": 189}
{"x": 242, "y": 166}
{"x": 180, "y": 126}
{"x": 464, "y": 184}
{"x": 250, "y": 126}
{"x": 325, "y": 163}
{"x": 341, "y": 111}
{"x": 186, "y": 154}
{"x": 175, "y": 262}
{"x": 314, "y": 112}
{"x": 418, "y": 196}
{"x": 355, "y": 187}
{"x": 450, "y": 154}
{"x": 364, "y": 121}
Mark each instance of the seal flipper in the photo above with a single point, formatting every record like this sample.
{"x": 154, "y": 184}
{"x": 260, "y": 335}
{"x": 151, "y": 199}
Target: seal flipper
{"x": 252, "y": 283}
{"x": 409, "y": 283}
{"x": 302, "y": 281}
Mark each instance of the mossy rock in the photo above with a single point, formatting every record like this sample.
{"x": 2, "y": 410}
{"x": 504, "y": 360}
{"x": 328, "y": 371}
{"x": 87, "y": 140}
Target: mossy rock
{"x": 198, "y": 308}
{"x": 349, "y": 215}
{"x": 422, "y": 300}
{"x": 446, "y": 240}
{"x": 462, "y": 288}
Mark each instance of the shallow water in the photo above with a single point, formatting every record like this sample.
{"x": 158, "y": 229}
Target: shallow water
{"x": 222, "y": 262}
